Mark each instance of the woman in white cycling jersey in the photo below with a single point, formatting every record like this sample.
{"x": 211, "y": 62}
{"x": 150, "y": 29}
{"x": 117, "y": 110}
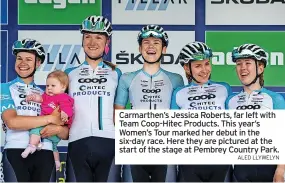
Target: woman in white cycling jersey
{"x": 200, "y": 94}
{"x": 91, "y": 148}
{"x": 20, "y": 116}
{"x": 149, "y": 88}
{"x": 251, "y": 61}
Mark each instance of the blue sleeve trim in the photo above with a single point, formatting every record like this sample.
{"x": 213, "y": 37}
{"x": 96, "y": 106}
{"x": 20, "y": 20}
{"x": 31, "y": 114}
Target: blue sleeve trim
{"x": 119, "y": 72}
{"x": 174, "y": 104}
{"x": 228, "y": 100}
{"x": 278, "y": 100}
{"x": 7, "y": 101}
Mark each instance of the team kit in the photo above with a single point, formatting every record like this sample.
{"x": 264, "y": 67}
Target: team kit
{"x": 78, "y": 105}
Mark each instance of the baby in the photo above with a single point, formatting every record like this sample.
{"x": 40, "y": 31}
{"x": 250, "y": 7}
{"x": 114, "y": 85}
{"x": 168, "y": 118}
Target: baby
{"x": 54, "y": 96}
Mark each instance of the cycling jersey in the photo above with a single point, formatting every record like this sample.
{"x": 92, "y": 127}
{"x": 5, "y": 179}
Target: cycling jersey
{"x": 258, "y": 99}
{"x": 262, "y": 99}
{"x": 147, "y": 91}
{"x": 13, "y": 95}
{"x": 93, "y": 91}
{"x": 209, "y": 96}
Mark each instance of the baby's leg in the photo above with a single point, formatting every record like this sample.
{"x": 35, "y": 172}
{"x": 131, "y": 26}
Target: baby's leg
{"x": 35, "y": 139}
{"x": 32, "y": 147}
{"x": 57, "y": 160}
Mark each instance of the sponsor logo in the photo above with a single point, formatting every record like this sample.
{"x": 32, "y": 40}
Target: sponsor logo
{"x": 84, "y": 72}
{"x": 92, "y": 80}
{"x": 223, "y": 67}
{"x": 8, "y": 107}
{"x": 150, "y": 5}
{"x": 60, "y": 4}
{"x": 134, "y": 58}
{"x": 52, "y": 105}
{"x": 61, "y": 56}
{"x": 22, "y": 96}
{"x": 59, "y": 11}
{"x": 5, "y": 97}
{"x": 153, "y": 12}
{"x": 220, "y": 58}
{"x": 155, "y": 91}
{"x": 244, "y": 107}
{"x": 247, "y": 1}
{"x": 202, "y": 97}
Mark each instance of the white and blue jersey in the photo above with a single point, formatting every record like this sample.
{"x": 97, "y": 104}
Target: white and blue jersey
{"x": 259, "y": 99}
{"x": 94, "y": 92}
{"x": 13, "y": 96}
{"x": 209, "y": 96}
{"x": 146, "y": 91}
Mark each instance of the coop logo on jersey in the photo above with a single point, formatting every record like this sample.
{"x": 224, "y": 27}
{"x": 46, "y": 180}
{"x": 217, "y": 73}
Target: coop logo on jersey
{"x": 61, "y": 57}
{"x": 150, "y": 5}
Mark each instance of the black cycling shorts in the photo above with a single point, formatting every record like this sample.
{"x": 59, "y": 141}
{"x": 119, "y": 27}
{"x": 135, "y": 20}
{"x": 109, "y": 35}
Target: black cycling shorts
{"x": 92, "y": 159}
{"x": 204, "y": 173}
{"x": 37, "y": 167}
{"x": 149, "y": 173}
{"x": 254, "y": 173}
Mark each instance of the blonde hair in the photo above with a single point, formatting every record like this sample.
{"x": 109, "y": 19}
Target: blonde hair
{"x": 61, "y": 76}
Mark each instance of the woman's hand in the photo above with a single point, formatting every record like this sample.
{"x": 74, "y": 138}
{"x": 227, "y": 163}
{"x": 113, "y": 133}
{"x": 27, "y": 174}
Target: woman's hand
{"x": 50, "y": 130}
{"x": 279, "y": 174}
{"x": 55, "y": 117}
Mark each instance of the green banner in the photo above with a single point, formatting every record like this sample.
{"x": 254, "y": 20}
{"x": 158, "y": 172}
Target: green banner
{"x": 222, "y": 43}
{"x": 57, "y": 12}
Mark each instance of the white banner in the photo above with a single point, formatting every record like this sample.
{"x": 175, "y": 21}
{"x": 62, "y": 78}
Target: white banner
{"x": 200, "y": 137}
{"x": 245, "y": 12}
{"x": 164, "y": 12}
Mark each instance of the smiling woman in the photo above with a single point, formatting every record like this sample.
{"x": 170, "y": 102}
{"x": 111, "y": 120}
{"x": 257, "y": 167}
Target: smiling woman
{"x": 19, "y": 116}
{"x": 251, "y": 61}
{"x": 200, "y": 93}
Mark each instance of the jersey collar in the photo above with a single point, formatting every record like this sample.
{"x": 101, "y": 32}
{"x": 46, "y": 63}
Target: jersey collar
{"x": 254, "y": 91}
{"x": 101, "y": 64}
{"x": 209, "y": 82}
{"x": 18, "y": 79}
{"x": 154, "y": 75}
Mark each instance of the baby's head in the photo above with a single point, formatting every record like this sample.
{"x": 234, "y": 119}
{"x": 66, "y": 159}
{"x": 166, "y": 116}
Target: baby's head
{"x": 57, "y": 83}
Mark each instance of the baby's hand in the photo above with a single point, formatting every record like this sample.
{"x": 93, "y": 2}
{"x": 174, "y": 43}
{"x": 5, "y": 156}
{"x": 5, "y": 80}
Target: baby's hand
{"x": 34, "y": 98}
{"x": 64, "y": 116}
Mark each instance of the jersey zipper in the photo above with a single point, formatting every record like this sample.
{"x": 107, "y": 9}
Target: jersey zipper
{"x": 150, "y": 92}
{"x": 90, "y": 104}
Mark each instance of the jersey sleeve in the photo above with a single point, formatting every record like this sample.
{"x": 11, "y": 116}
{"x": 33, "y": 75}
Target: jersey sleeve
{"x": 179, "y": 81}
{"x": 6, "y": 99}
{"x": 228, "y": 101}
{"x": 174, "y": 104}
{"x": 122, "y": 93}
{"x": 279, "y": 102}
{"x": 119, "y": 73}
{"x": 229, "y": 89}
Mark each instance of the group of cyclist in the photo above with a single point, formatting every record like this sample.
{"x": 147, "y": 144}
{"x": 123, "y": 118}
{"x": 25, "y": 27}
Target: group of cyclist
{"x": 97, "y": 87}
